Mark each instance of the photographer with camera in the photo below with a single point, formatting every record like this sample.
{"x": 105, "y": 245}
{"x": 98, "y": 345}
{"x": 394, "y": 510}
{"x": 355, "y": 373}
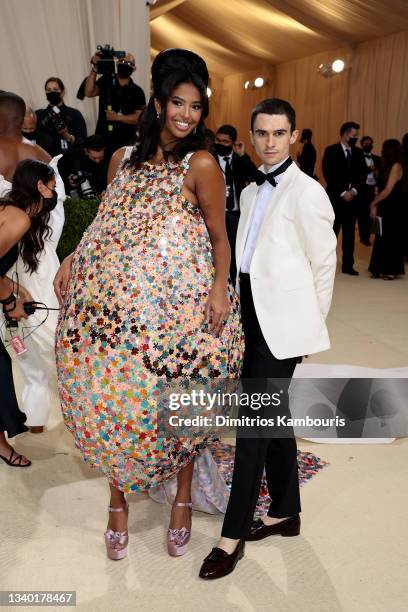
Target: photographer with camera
{"x": 121, "y": 101}
{"x": 64, "y": 126}
{"x": 84, "y": 171}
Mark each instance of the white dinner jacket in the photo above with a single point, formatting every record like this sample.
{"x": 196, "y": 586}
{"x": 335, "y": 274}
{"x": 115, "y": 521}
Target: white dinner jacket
{"x": 293, "y": 265}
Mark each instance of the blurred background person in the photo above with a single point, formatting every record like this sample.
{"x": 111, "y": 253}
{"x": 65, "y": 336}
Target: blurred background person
{"x": 235, "y": 163}
{"x": 387, "y": 258}
{"x": 345, "y": 172}
{"x": 64, "y": 126}
{"x": 84, "y": 171}
{"x": 121, "y": 101}
{"x": 30, "y": 133}
{"x": 24, "y": 215}
{"x": 367, "y": 192}
{"x": 307, "y": 156}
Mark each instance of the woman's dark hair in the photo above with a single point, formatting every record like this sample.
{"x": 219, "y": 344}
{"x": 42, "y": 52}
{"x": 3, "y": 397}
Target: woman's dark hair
{"x": 171, "y": 68}
{"x": 24, "y": 194}
{"x": 392, "y": 153}
{"x": 57, "y": 81}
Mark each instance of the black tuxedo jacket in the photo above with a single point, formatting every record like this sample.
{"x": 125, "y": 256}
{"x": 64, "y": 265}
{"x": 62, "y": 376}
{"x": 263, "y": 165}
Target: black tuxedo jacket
{"x": 243, "y": 171}
{"x": 338, "y": 174}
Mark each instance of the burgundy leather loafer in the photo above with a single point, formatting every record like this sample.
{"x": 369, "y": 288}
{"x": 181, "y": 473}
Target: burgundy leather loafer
{"x": 259, "y": 531}
{"x": 219, "y": 563}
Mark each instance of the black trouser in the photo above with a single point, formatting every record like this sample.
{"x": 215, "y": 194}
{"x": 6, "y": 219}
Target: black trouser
{"x": 345, "y": 218}
{"x": 366, "y": 196}
{"x": 277, "y": 455}
{"x": 11, "y": 417}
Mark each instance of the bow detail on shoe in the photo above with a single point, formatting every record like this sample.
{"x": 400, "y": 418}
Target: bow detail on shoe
{"x": 179, "y": 536}
{"x": 116, "y": 539}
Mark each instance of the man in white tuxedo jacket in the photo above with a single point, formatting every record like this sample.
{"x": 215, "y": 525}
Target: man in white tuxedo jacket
{"x": 286, "y": 259}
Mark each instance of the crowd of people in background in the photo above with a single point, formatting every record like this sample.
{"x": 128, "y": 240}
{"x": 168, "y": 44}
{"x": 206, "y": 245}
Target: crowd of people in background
{"x": 367, "y": 191}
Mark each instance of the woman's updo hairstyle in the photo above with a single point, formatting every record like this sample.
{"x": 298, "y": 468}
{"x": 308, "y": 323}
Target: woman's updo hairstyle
{"x": 170, "y": 68}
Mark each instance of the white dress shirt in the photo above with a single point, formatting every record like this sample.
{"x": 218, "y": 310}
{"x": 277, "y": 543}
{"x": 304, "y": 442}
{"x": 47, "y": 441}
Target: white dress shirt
{"x": 223, "y": 163}
{"x": 263, "y": 202}
{"x": 370, "y": 164}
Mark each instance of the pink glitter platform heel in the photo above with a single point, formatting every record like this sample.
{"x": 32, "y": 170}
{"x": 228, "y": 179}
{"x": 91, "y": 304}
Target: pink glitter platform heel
{"x": 178, "y": 539}
{"x": 116, "y": 541}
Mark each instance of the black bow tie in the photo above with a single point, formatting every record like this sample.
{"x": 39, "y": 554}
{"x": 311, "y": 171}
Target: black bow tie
{"x": 261, "y": 177}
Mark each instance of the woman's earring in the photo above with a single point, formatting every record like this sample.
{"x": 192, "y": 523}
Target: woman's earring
{"x": 195, "y": 131}
{"x": 158, "y": 115}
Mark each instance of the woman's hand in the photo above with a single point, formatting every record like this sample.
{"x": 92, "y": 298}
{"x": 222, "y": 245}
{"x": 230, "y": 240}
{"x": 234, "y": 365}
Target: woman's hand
{"x": 61, "y": 279}
{"x": 17, "y": 312}
{"x": 373, "y": 211}
{"x": 24, "y": 294}
{"x": 217, "y": 308}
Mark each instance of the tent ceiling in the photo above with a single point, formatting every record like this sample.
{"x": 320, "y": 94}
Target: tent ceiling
{"x": 238, "y": 35}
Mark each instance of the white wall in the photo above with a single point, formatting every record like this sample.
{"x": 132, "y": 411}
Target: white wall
{"x": 43, "y": 38}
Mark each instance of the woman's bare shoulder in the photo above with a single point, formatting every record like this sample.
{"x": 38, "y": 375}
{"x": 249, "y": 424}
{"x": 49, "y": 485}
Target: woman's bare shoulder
{"x": 203, "y": 160}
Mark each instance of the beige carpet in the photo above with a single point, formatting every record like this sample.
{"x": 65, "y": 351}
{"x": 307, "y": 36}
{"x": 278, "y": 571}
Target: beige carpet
{"x": 352, "y": 554}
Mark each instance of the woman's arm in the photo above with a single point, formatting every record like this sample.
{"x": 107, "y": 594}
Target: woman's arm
{"x": 394, "y": 176}
{"x": 114, "y": 163}
{"x": 206, "y": 182}
{"x": 13, "y": 225}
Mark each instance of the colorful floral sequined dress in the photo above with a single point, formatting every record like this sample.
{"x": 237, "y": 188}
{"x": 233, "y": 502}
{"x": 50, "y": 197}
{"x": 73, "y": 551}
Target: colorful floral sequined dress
{"x": 135, "y": 313}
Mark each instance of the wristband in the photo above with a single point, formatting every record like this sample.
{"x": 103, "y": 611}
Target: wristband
{"x": 8, "y": 300}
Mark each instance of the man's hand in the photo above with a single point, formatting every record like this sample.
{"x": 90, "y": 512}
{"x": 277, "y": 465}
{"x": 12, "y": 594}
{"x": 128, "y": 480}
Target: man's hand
{"x": 25, "y": 295}
{"x": 112, "y": 116}
{"x": 66, "y": 135}
{"x": 348, "y": 196}
{"x": 373, "y": 211}
{"x": 95, "y": 58}
{"x": 239, "y": 148}
{"x": 72, "y": 180}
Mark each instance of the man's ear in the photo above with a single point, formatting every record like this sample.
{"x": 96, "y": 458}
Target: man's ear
{"x": 294, "y": 136}
{"x": 251, "y": 137}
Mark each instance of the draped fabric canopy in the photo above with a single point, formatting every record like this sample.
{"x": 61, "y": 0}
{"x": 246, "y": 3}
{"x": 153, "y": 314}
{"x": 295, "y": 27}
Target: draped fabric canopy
{"x": 239, "y": 35}
{"x": 285, "y": 41}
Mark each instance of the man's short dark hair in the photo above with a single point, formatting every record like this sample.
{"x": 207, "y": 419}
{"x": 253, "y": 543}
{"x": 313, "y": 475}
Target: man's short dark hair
{"x": 94, "y": 143}
{"x": 229, "y": 130}
{"x": 58, "y": 82}
{"x": 275, "y": 106}
{"x": 12, "y": 107}
{"x": 366, "y": 138}
{"x": 349, "y": 125}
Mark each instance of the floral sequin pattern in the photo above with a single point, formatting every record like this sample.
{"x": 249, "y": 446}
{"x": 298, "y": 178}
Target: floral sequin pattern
{"x": 134, "y": 314}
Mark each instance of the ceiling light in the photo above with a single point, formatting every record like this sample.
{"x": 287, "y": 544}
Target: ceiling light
{"x": 338, "y": 65}
{"x": 209, "y": 92}
{"x": 246, "y": 85}
{"x": 259, "y": 81}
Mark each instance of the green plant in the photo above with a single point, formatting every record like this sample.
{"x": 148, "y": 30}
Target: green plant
{"x": 79, "y": 214}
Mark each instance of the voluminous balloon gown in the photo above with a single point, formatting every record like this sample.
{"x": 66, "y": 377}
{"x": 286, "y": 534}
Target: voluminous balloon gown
{"x": 134, "y": 314}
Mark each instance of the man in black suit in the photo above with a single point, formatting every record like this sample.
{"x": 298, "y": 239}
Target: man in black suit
{"x": 345, "y": 172}
{"x": 307, "y": 157}
{"x": 367, "y": 195}
{"x": 239, "y": 171}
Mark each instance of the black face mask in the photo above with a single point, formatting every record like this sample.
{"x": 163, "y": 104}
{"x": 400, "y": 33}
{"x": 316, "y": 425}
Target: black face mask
{"x": 50, "y": 203}
{"x": 29, "y": 135}
{"x": 124, "y": 71}
{"x": 367, "y": 148}
{"x": 53, "y": 97}
{"x": 352, "y": 142}
{"x": 222, "y": 149}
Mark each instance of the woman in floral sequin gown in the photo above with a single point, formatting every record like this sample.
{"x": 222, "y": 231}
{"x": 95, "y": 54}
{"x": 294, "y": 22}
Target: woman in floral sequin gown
{"x": 148, "y": 298}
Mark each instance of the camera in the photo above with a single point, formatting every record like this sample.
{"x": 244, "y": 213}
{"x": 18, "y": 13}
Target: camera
{"x": 106, "y": 64}
{"x": 53, "y": 119}
{"x": 83, "y": 187}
